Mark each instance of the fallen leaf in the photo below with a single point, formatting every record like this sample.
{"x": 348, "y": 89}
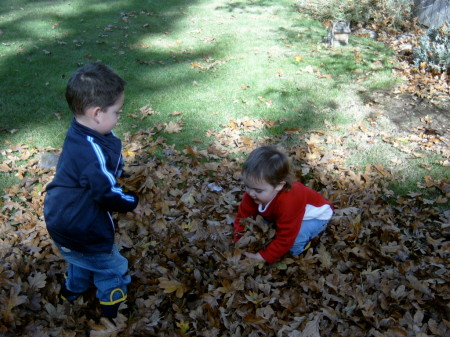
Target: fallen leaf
{"x": 173, "y": 127}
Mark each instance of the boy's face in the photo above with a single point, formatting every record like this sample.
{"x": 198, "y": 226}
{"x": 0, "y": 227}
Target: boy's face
{"x": 109, "y": 117}
{"x": 261, "y": 191}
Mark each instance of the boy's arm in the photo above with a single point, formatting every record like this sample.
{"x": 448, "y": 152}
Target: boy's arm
{"x": 105, "y": 190}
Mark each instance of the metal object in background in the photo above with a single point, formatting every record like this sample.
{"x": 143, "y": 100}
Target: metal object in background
{"x": 433, "y": 13}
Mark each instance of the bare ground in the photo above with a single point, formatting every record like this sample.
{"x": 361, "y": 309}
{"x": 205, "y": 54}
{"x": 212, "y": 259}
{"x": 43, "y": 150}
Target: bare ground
{"x": 407, "y": 112}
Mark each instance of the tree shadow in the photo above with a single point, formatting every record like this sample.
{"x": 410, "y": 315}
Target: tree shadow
{"x": 32, "y": 95}
{"x": 232, "y": 6}
{"x": 44, "y": 50}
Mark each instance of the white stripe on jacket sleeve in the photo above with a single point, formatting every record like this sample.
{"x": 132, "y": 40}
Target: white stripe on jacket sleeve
{"x": 101, "y": 158}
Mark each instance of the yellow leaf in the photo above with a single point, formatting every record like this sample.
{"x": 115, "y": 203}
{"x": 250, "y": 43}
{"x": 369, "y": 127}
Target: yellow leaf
{"x": 298, "y": 58}
{"x": 186, "y": 226}
{"x": 282, "y": 266}
{"x": 170, "y": 286}
{"x": 129, "y": 154}
{"x": 183, "y": 326}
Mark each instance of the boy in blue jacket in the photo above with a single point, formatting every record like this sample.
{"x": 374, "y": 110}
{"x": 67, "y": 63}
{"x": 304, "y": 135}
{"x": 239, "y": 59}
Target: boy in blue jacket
{"x": 84, "y": 191}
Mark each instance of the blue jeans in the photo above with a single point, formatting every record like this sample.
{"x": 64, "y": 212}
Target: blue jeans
{"x": 309, "y": 230}
{"x": 107, "y": 271}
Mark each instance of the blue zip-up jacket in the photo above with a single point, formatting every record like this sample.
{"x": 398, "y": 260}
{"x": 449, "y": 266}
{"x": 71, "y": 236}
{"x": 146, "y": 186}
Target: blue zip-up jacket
{"x": 84, "y": 191}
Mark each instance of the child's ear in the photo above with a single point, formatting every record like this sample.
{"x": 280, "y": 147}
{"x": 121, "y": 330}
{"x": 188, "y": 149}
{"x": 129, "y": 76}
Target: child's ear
{"x": 93, "y": 113}
{"x": 280, "y": 186}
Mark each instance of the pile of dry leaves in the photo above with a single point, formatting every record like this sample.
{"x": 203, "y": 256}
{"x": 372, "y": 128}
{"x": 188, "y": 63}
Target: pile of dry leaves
{"x": 380, "y": 269}
{"x": 421, "y": 81}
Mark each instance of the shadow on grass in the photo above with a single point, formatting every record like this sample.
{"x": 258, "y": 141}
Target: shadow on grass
{"x": 45, "y": 49}
{"x": 43, "y": 46}
{"x": 231, "y": 6}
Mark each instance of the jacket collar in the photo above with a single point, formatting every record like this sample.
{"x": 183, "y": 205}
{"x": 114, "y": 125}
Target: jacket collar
{"x": 109, "y": 140}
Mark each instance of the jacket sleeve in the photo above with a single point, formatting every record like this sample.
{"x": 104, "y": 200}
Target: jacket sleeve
{"x": 247, "y": 208}
{"x": 104, "y": 188}
{"x": 286, "y": 233}
{"x": 290, "y": 214}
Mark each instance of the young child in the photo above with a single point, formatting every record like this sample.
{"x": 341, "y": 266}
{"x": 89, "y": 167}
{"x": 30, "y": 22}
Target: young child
{"x": 84, "y": 191}
{"x": 299, "y": 212}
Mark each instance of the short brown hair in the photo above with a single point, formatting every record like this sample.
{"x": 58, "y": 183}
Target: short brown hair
{"x": 93, "y": 85}
{"x": 268, "y": 163}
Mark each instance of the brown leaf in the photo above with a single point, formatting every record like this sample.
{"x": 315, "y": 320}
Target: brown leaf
{"x": 170, "y": 286}
{"x": 108, "y": 329}
{"x": 173, "y": 127}
{"x": 311, "y": 329}
{"x": 418, "y": 285}
{"x": 324, "y": 257}
{"x": 37, "y": 281}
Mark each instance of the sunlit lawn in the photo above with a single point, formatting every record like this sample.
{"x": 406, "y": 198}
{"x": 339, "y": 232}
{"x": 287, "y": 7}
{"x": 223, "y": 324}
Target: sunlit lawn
{"x": 198, "y": 63}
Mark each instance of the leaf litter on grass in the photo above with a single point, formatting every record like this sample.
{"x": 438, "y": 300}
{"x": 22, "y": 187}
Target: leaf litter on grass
{"x": 380, "y": 268}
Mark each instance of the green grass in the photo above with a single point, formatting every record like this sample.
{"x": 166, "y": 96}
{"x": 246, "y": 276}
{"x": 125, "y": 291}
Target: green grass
{"x": 193, "y": 57}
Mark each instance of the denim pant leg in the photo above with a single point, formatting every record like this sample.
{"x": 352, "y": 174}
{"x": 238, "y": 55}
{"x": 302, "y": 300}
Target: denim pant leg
{"x": 108, "y": 272}
{"x": 111, "y": 277}
{"x": 309, "y": 230}
{"x": 77, "y": 279}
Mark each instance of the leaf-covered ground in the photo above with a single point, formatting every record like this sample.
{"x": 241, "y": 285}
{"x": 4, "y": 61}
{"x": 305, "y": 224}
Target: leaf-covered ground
{"x": 380, "y": 269}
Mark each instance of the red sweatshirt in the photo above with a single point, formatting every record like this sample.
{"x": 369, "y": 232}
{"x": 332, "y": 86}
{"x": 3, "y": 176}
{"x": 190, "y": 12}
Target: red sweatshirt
{"x": 287, "y": 210}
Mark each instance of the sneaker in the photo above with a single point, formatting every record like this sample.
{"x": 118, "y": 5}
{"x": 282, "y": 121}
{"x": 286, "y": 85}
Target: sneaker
{"x": 308, "y": 245}
{"x": 110, "y": 311}
{"x": 67, "y": 295}
{"x": 305, "y": 249}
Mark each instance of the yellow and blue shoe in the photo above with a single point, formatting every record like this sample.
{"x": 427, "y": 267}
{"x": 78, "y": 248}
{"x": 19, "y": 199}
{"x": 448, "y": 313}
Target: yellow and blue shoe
{"x": 308, "y": 245}
{"x": 67, "y": 295}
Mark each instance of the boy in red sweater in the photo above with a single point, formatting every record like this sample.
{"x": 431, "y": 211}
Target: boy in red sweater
{"x": 300, "y": 213}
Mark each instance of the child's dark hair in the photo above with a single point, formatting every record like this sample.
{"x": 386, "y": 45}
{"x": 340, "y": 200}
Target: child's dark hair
{"x": 270, "y": 164}
{"x": 93, "y": 85}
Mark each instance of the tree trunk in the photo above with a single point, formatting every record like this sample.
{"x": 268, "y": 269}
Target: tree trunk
{"x": 433, "y": 13}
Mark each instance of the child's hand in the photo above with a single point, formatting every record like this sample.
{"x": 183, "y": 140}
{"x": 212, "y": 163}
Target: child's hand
{"x": 139, "y": 210}
{"x": 236, "y": 237}
{"x": 256, "y": 256}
